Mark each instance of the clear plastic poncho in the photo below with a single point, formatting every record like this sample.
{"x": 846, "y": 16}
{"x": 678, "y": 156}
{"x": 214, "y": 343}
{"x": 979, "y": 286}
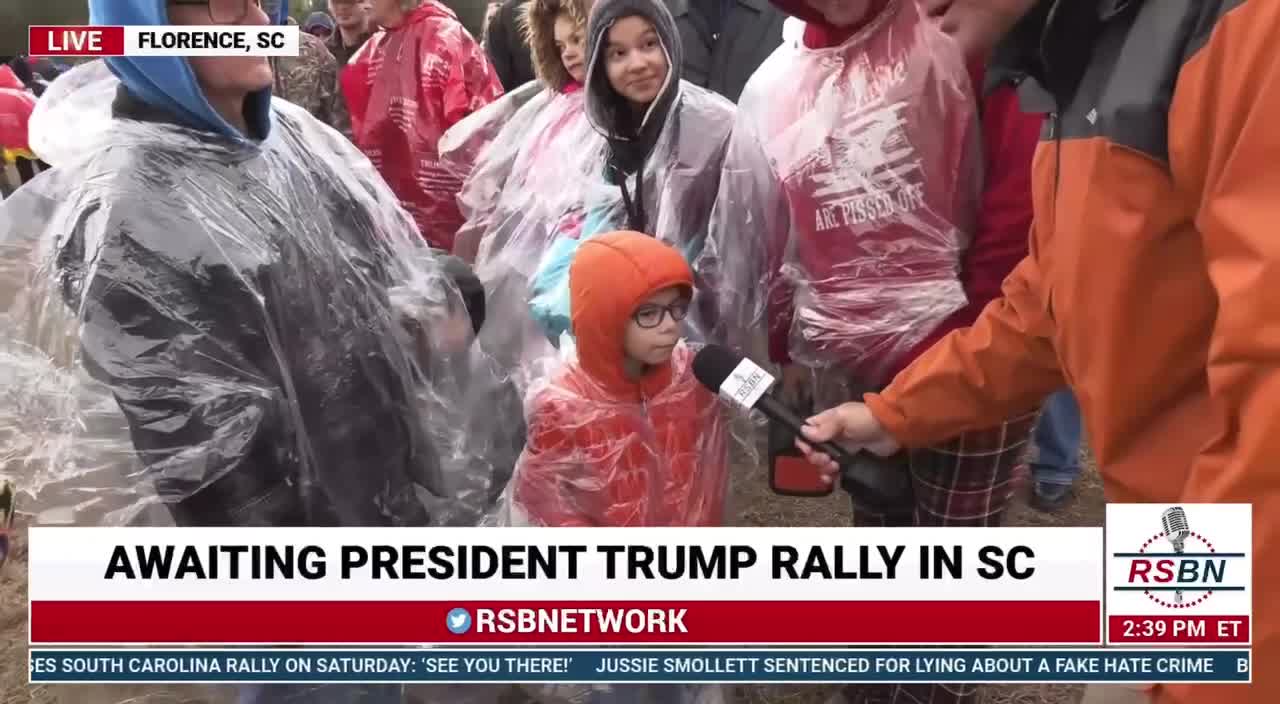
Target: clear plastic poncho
{"x": 844, "y": 210}
{"x": 200, "y": 331}
{"x": 509, "y": 156}
{"x": 595, "y": 457}
{"x": 536, "y": 190}
{"x": 483, "y": 150}
{"x": 525, "y": 187}
{"x": 558, "y": 196}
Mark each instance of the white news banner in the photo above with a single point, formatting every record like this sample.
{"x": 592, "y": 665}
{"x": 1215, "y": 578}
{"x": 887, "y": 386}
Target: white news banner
{"x": 622, "y": 564}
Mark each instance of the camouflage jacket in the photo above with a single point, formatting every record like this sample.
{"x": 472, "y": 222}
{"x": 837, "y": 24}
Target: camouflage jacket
{"x": 310, "y": 80}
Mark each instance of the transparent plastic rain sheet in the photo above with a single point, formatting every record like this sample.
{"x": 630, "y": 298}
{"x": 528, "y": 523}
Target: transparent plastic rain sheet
{"x": 201, "y": 331}
{"x": 595, "y": 459}
{"x": 483, "y": 150}
{"x": 555, "y": 195}
{"x": 853, "y": 200}
{"x": 196, "y": 331}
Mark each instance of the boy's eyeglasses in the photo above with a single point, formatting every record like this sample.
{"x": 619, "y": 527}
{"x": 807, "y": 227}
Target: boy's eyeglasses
{"x": 650, "y": 315}
{"x": 8, "y": 496}
{"x": 224, "y": 11}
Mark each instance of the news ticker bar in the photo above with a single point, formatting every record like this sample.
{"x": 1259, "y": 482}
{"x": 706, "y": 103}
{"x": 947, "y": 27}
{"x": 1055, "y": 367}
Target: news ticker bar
{"x": 641, "y": 665}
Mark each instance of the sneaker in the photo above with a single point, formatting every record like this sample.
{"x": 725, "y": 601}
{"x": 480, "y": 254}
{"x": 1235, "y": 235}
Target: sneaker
{"x": 1051, "y": 498}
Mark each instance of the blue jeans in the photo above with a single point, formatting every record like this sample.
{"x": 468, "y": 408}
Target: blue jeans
{"x": 354, "y": 693}
{"x": 1057, "y": 437}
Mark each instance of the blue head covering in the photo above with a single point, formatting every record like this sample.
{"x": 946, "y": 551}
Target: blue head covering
{"x": 167, "y": 82}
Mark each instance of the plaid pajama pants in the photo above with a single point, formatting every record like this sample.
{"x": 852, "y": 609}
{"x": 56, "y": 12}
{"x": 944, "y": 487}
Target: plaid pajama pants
{"x": 966, "y": 482}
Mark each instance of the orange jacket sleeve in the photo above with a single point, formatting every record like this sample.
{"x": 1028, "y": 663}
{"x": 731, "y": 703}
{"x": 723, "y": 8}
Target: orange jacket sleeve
{"x": 977, "y": 377}
{"x": 1223, "y": 147}
{"x": 1228, "y": 144}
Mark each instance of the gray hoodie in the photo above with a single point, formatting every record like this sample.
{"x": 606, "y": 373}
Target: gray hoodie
{"x": 630, "y": 144}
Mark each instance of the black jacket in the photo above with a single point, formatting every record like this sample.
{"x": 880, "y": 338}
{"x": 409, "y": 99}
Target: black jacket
{"x": 34, "y": 81}
{"x": 341, "y": 51}
{"x": 507, "y": 48}
{"x": 723, "y": 58}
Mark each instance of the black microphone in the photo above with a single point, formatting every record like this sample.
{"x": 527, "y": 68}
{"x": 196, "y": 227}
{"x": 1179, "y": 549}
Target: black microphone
{"x": 745, "y": 383}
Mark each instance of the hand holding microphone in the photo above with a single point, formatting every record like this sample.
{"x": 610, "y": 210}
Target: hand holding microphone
{"x": 851, "y": 423}
{"x": 744, "y": 383}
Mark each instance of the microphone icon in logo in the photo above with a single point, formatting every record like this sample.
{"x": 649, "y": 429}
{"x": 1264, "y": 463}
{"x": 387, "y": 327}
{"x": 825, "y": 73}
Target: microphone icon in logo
{"x": 1176, "y": 531}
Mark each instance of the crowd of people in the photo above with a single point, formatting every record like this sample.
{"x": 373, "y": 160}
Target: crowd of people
{"x": 412, "y": 278}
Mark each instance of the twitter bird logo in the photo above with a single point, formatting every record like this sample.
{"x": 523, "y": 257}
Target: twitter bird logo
{"x": 458, "y": 621}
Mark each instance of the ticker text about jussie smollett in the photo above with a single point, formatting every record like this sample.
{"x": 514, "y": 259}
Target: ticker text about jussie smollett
{"x": 884, "y": 561}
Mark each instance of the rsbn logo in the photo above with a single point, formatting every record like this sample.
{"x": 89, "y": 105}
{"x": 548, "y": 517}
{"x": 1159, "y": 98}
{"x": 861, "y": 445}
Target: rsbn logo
{"x": 1180, "y": 578}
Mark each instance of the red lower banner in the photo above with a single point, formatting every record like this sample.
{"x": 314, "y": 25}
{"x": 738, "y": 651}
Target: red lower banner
{"x": 537, "y": 622}
{"x": 75, "y": 41}
{"x": 1209, "y": 630}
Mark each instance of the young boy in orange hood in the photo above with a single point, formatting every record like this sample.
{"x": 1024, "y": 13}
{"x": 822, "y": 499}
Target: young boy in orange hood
{"x": 624, "y": 435}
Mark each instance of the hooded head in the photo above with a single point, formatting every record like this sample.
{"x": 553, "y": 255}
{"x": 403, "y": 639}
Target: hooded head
{"x": 831, "y": 22}
{"x": 551, "y": 51}
{"x": 351, "y": 15}
{"x": 170, "y": 83}
{"x": 45, "y": 68}
{"x": 616, "y": 54}
{"x": 22, "y": 69}
{"x": 611, "y": 277}
{"x": 319, "y": 24}
{"x": 396, "y": 14}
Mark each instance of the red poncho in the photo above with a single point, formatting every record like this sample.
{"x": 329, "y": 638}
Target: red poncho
{"x": 405, "y": 88}
{"x": 16, "y": 104}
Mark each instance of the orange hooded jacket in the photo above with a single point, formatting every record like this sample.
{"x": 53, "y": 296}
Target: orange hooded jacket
{"x": 1151, "y": 284}
{"x": 606, "y": 450}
